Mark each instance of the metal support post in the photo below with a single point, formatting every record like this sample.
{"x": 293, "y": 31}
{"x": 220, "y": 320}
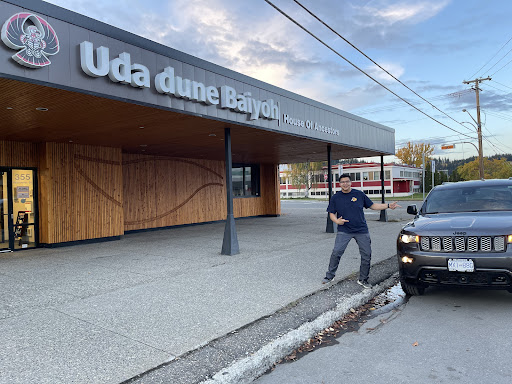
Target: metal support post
{"x": 383, "y": 213}
{"x": 329, "y": 227}
{"x": 230, "y": 242}
{"x": 423, "y": 174}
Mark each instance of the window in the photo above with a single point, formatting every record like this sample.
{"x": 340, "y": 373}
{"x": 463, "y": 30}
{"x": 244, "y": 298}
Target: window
{"x": 365, "y": 176}
{"x": 246, "y": 180}
{"x": 318, "y": 178}
{"x": 355, "y": 176}
{"x": 387, "y": 175}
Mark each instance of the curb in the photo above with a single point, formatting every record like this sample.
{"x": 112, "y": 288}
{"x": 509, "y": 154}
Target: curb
{"x": 244, "y": 354}
{"x": 248, "y": 369}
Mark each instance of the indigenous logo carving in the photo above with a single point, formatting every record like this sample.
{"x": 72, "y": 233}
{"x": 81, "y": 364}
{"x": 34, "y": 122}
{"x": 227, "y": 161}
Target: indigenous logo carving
{"x": 33, "y": 37}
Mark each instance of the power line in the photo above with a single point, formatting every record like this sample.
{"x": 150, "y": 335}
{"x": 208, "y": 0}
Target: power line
{"x": 359, "y": 69}
{"x": 473, "y": 75}
{"x": 373, "y": 61}
{"x": 399, "y": 104}
{"x": 496, "y": 63}
{"x": 430, "y": 140}
{"x": 506, "y": 86}
{"x": 500, "y": 115}
{"x": 502, "y": 67}
{"x": 501, "y": 90}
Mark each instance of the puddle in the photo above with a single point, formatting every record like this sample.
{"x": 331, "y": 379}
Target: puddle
{"x": 388, "y": 300}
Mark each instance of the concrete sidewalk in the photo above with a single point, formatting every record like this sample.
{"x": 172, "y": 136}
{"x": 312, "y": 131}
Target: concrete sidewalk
{"x": 106, "y": 312}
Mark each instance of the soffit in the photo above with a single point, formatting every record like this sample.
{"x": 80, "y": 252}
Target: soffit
{"x": 92, "y": 120}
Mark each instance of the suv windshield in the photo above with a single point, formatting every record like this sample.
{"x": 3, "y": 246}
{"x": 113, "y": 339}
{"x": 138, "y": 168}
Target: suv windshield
{"x": 469, "y": 199}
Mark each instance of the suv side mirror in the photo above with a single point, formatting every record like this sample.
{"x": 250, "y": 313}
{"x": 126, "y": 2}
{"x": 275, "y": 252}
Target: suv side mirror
{"x": 411, "y": 209}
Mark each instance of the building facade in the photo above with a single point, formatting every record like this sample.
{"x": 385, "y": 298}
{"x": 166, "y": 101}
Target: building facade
{"x": 399, "y": 180}
{"x": 103, "y": 132}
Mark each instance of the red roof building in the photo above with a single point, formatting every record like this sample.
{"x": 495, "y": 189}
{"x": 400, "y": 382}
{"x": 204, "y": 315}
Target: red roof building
{"x": 399, "y": 180}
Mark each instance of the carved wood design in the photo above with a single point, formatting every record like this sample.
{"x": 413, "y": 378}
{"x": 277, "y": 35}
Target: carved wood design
{"x": 92, "y": 183}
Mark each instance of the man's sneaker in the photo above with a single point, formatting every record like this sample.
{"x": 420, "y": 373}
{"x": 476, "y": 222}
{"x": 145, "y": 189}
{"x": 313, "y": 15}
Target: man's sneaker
{"x": 327, "y": 280}
{"x": 365, "y": 284}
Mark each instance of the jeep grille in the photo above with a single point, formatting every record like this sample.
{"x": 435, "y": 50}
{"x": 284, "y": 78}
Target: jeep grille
{"x": 463, "y": 243}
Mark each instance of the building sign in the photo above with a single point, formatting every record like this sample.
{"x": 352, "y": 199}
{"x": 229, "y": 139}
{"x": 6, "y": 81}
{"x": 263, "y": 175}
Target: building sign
{"x": 33, "y": 37}
{"x": 310, "y": 125}
{"x": 122, "y": 70}
{"x": 448, "y": 146}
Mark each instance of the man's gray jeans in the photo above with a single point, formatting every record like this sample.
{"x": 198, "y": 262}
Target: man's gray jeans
{"x": 340, "y": 244}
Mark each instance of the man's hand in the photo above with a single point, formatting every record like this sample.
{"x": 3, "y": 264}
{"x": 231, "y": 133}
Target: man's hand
{"x": 394, "y": 205}
{"x": 339, "y": 221}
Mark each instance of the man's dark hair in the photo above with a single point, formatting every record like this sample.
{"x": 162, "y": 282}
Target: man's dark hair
{"x": 345, "y": 175}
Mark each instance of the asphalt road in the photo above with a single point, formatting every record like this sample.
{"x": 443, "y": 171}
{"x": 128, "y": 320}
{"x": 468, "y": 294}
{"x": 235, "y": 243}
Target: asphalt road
{"x": 445, "y": 336}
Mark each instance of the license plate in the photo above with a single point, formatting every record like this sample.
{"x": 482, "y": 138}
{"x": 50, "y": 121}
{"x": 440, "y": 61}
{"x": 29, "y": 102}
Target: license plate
{"x": 461, "y": 265}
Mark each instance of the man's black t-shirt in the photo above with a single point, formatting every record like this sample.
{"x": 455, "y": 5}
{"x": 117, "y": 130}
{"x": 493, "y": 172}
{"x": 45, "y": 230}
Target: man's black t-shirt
{"x": 350, "y": 207}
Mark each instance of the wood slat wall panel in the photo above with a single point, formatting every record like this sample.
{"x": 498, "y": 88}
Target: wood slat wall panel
{"x": 165, "y": 191}
{"x": 88, "y": 192}
{"x": 17, "y": 154}
{"x": 80, "y": 192}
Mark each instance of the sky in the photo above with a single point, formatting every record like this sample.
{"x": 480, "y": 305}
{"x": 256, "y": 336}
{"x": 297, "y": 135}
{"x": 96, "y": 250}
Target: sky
{"x": 431, "y": 46}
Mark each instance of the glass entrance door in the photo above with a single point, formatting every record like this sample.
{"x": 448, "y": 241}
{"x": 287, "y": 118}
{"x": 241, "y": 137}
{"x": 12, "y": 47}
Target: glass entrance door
{"x": 4, "y": 212}
{"x": 18, "y": 190}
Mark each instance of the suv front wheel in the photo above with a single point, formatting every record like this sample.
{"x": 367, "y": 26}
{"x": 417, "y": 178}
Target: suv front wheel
{"x": 412, "y": 289}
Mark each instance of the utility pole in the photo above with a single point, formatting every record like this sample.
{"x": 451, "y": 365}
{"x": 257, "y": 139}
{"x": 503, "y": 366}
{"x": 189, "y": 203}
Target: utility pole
{"x": 479, "y": 125}
{"x": 423, "y": 173}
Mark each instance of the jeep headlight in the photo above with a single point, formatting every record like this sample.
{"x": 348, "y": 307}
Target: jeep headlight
{"x": 409, "y": 239}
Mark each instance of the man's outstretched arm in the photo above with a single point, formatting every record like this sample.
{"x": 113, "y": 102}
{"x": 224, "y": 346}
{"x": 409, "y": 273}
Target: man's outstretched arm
{"x": 381, "y": 206}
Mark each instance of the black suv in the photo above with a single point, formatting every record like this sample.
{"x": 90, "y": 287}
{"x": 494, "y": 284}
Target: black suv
{"x": 462, "y": 236}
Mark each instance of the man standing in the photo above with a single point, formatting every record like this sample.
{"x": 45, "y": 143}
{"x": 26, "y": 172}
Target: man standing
{"x": 346, "y": 210}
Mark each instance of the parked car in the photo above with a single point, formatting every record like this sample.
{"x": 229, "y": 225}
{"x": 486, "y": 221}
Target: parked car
{"x": 461, "y": 236}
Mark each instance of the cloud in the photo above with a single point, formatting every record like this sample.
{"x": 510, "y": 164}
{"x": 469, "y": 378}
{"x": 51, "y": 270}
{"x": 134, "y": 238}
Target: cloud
{"x": 383, "y": 13}
{"x": 270, "y": 48}
{"x": 394, "y": 68}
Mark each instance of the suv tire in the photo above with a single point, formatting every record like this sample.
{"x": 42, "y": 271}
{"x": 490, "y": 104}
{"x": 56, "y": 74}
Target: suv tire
{"x": 412, "y": 289}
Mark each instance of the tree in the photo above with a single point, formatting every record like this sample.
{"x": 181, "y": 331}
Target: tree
{"x": 454, "y": 176}
{"x": 412, "y": 154}
{"x": 439, "y": 177}
{"x": 493, "y": 169}
{"x": 301, "y": 175}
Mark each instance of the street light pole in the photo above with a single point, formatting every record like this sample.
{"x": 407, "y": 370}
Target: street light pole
{"x": 423, "y": 175}
{"x": 478, "y": 124}
{"x": 479, "y": 132}
{"x": 469, "y": 142}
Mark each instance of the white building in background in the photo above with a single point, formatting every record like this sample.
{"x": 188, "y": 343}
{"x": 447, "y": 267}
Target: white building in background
{"x": 399, "y": 180}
